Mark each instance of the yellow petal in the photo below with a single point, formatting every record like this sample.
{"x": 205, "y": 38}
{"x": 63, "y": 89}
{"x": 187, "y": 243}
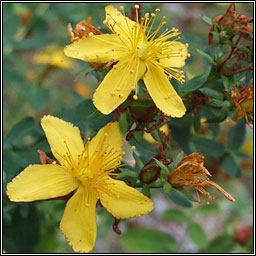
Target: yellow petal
{"x": 105, "y": 149}
{"x": 78, "y": 224}
{"x": 117, "y": 85}
{"x": 64, "y": 139}
{"x": 177, "y": 53}
{"x": 162, "y": 92}
{"x": 122, "y": 201}
{"x": 118, "y": 22}
{"x": 38, "y": 182}
{"x": 97, "y": 48}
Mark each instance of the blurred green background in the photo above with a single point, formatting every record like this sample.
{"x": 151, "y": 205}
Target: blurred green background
{"x": 38, "y": 79}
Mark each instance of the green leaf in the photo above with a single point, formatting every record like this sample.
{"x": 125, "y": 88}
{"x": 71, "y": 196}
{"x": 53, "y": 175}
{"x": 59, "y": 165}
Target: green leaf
{"x": 221, "y": 116}
{"x": 206, "y": 56}
{"x": 178, "y": 158}
{"x": 221, "y": 244}
{"x": 194, "y": 84}
{"x": 163, "y": 167}
{"x": 84, "y": 118}
{"x": 174, "y": 215}
{"x": 138, "y": 161}
{"x": 38, "y": 97}
{"x": 167, "y": 187}
{"x": 197, "y": 235}
{"x": 125, "y": 172}
{"x": 145, "y": 240}
{"x": 178, "y": 198}
{"x": 19, "y": 130}
{"x": 187, "y": 194}
{"x": 196, "y": 123}
{"x": 207, "y": 20}
{"x": 123, "y": 122}
{"x": 146, "y": 190}
{"x": 138, "y": 136}
{"x": 22, "y": 233}
{"x": 228, "y": 83}
{"x": 211, "y": 208}
{"x": 236, "y": 135}
{"x": 181, "y": 136}
{"x": 209, "y": 147}
{"x": 212, "y": 93}
{"x": 215, "y": 127}
{"x": 230, "y": 166}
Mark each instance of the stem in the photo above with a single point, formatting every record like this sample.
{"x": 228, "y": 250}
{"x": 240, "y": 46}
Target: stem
{"x": 239, "y": 70}
{"x": 230, "y": 55}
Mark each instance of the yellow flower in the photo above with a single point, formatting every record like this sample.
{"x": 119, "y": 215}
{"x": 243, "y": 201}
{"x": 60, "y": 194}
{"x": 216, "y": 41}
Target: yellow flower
{"x": 53, "y": 56}
{"x": 191, "y": 172}
{"x": 85, "y": 169}
{"x": 138, "y": 52}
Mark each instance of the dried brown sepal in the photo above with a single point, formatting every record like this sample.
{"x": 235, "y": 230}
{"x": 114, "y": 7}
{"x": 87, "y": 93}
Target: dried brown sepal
{"x": 115, "y": 226}
{"x": 243, "y": 101}
{"x": 44, "y": 159}
{"x": 239, "y": 33}
{"x": 82, "y": 29}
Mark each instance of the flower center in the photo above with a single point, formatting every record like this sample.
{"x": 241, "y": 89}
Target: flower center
{"x": 143, "y": 50}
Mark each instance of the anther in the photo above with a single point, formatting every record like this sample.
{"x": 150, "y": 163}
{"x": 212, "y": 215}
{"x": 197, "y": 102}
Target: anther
{"x": 146, "y": 15}
{"x": 121, "y": 8}
{"x": 136, "y": 6}
{"x": 105, "y": 134}
{"x": 153, "y": 14}
{"x": 133, "y": 162}
{"x": 112, "y": 93}
{"x": 189, "y": 55}
{"x": 186, "y": 45}
{"x": 133, "y": 148}
{"x": 105, "y": 22}
{"x": 135, "y": 97}
{"x": 90, "y": 34}
{"x": 157, "y": 10}
{"x": 131, "y": 71}
{"x": 120, "y": 95}
{"x": 118, "y": 89}
{"x": 123, "y": 153}
{"x": 114, "y": 66}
